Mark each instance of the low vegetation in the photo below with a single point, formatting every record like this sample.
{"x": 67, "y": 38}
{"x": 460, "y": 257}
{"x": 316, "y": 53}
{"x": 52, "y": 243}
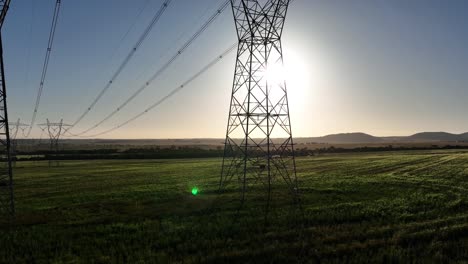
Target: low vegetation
{"x": 358, "y": 207}
{"x": 190, "y": 152}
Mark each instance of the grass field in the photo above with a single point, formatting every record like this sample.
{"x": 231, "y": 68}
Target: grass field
{"x": 385, "y": 207}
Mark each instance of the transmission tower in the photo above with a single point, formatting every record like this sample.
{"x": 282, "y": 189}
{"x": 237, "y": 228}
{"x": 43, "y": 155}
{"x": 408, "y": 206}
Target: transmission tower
{"x": 259, "y": 146}
{"x": 14, "y": 129}
{"x": 55, "y": 130}
{"x": 7, "y": 203}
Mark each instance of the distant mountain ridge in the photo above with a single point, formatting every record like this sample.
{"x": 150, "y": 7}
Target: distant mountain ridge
{"x": 342, "y": 138}
{"x": 359, "y": 137}
{"x": 439, "y": 136}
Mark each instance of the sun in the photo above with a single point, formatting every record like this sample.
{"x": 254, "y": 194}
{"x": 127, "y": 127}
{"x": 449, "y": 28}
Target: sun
{"x": 297, "y": 73}
{"x": 299, "y": 77}
{"x": 293, "y": 72}
{"x": 275, "y": 74}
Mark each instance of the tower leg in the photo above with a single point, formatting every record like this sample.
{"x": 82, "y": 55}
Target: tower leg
{"x": 6, "y": 173}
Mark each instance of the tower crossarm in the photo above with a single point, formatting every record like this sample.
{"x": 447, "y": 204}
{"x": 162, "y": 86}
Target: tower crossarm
{"x": 258, "y": 23}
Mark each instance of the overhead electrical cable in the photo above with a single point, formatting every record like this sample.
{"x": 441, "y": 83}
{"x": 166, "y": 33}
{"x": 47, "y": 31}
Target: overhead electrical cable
{"x": 45, "y": 65}
{"x": 169, "y": 95}
{"x": 163, "y": 68}
{"x": 127, "y": 59}
{"x": 28, "y": 53}
{"x": 174, "y": 44}
{"x": 130, "y": 29}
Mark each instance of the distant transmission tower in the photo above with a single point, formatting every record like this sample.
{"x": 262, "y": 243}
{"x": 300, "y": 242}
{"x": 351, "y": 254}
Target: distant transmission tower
{"x": 14, "y": 129}
{"x": 259, "y": 145}
{"x": 7, "y": 204}
{"x": 55, "y": 130}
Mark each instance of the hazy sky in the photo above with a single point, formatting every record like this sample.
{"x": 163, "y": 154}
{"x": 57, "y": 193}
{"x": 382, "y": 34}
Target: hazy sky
{"x": 376, "y": 66}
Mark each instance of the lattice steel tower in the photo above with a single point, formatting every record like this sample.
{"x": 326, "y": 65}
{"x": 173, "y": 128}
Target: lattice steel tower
{"x": 259, "y": 145}
{"x": 6, "y": 174}
{"x": 55, "y": 131}
{"x": 14, "y": 129}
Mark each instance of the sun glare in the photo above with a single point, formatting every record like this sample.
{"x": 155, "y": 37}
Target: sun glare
{"x": 294, "y": 72}
{"x": 275, "y": 74}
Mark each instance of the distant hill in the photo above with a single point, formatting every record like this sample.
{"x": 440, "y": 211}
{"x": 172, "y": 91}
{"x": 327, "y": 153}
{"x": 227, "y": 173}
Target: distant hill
{"x": 342, "y": 138}
{"x": 437, "y": 136}
{"x": 353, "y": 138}
{"x": 345, "y": 138}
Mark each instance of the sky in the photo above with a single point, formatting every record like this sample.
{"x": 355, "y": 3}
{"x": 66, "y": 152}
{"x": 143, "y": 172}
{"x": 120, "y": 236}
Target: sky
{"x": 387, "y": 68}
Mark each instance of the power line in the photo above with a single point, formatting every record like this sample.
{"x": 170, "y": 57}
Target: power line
{"x": 127, "y": 59}
{"x": 28, "y": 56}
{"x": 140, "y": 12}
{"x": 175, "y": 43}
{"x": 45, "y": 65}
{"x": 163, "y": 68}
{"x": 127, "y": 32}
{"x": 169, "y": 95}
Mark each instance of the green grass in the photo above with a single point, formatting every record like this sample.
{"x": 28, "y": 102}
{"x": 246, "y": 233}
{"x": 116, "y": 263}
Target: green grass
{"x": 385, "y": 207}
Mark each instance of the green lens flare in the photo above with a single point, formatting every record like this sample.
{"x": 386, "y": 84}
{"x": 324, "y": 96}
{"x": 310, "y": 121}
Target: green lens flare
{"x": 194, "y": 190}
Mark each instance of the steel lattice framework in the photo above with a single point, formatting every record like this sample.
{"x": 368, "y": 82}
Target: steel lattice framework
{"x": 6, "y": 174}
{"x": 14, "y": 129}
{"x": 259, "y": 145}
{"x": 55, "y": 130}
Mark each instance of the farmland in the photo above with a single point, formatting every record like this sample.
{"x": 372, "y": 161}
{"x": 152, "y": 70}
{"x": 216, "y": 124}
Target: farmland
{"x": 356, "y": 207}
